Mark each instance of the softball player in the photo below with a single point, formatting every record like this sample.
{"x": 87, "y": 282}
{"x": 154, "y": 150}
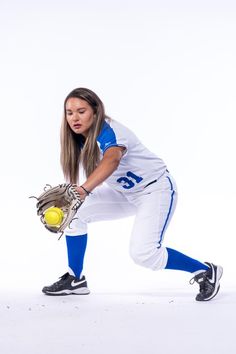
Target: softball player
{"x": 137, "y": 182}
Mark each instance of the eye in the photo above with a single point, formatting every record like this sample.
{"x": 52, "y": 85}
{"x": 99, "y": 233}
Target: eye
{"x": 81, "y": 112}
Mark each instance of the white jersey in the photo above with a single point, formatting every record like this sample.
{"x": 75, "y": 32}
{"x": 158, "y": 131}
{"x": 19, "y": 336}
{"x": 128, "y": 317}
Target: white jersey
{"x": 138, "y": 166}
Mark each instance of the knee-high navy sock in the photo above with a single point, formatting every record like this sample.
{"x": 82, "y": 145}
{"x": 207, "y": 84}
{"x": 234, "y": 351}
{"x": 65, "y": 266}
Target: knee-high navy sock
{"x": 180, "y": 261}
{"x": 76, "y": 247}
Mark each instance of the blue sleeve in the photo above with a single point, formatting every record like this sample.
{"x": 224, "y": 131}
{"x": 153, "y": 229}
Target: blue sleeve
{"x": 107, "y": 138}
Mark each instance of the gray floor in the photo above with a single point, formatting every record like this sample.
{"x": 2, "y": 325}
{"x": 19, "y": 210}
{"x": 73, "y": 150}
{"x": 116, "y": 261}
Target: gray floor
{"x": 118, "y": 323}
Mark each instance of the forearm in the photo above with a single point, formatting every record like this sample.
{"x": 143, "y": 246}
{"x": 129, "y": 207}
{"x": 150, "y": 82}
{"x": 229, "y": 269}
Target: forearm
{"x": 105, "y": 168}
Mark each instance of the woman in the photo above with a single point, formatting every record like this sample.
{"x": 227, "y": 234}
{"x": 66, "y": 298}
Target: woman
{"x": 137, "y": 183}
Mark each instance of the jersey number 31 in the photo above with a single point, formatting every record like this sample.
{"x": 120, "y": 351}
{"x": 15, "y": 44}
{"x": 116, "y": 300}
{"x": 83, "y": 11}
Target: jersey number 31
{"x": 129, "y": 182}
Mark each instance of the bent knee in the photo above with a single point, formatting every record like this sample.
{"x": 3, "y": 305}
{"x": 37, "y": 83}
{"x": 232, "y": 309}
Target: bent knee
{"x": 154, "y": 259}
{"x": 76, "y": 227}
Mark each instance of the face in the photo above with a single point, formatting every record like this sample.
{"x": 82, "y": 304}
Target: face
{"x": 79, "y": 115}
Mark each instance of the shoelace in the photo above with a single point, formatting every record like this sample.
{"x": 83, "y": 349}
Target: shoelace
{"x": 64, "y": 276}
{"x": 196, "y": 279}
{"x": 58, "y": 283}
{"x": 204, "y": 285}
{"x": 192, "y": 280}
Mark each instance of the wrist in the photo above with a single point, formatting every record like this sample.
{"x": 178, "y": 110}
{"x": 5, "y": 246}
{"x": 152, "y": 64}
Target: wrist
{"x": 83, "y": 192}
{"x": 86, "y": 191}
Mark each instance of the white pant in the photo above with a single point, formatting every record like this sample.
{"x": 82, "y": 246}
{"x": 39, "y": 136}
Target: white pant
{"x": 153, "y": 208}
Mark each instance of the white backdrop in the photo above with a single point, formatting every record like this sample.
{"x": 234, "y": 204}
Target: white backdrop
{"x": 166, "y": 69}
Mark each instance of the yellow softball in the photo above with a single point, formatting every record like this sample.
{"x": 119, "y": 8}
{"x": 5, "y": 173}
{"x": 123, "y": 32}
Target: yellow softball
{"x": 53, "y": 216}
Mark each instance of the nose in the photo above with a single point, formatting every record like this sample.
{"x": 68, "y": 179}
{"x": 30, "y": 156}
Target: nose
{"x": 75, "y": 117}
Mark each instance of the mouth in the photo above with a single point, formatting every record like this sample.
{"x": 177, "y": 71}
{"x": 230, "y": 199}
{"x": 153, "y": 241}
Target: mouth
{"x": 77, "y": 126}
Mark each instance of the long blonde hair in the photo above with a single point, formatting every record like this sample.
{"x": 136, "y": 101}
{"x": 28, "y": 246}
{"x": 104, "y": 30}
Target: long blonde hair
{"x": 74, "y": 148}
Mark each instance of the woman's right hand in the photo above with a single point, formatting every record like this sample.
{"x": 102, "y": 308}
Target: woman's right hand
{"x": 82, "y": 193}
